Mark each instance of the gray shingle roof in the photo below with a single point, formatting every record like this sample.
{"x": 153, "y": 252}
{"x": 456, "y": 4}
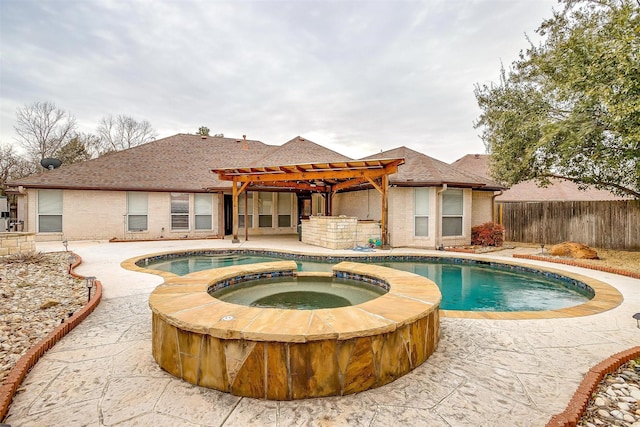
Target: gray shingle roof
{"x": 529, "y": 191}
{"x": 178, "y": 163}
{"x": 183, "y": 162}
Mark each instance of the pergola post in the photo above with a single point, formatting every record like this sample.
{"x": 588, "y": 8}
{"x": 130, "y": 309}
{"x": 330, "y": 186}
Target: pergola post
{"x": 385, "y": 212}
{"x": 327, "y": 203}
{"x": 383, "y": 189}
{"x": 234, "y": 219}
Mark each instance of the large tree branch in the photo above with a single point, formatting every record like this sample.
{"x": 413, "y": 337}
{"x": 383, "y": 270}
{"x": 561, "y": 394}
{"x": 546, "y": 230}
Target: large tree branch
{"x": 619, "y": 187}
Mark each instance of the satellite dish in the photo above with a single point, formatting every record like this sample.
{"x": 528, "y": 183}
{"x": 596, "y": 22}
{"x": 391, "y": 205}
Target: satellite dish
{"x": 50, "y": 163}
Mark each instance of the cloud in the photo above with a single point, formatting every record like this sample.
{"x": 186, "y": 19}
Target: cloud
{"x": 356, "y": 76}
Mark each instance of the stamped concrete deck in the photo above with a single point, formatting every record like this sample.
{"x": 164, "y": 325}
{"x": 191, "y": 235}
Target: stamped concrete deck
{"x": 484, "y": 372}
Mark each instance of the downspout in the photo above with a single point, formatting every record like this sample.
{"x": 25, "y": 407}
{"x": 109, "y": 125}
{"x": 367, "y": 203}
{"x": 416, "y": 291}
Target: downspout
{"x": 438, "y": 239}
{"x": 493, "y": 206}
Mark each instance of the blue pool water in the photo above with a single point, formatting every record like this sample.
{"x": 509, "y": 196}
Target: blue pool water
{"x": 464, "y": 286}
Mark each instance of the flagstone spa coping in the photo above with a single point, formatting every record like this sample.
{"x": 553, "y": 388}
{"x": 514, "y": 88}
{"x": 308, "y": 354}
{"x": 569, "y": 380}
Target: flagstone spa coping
{"x": 285, "y": 354}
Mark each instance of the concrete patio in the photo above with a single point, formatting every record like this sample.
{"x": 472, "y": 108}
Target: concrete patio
{"x": 484, "y": 372}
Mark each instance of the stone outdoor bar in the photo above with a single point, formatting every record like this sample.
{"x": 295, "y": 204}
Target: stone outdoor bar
{"x": 339, "y": 232}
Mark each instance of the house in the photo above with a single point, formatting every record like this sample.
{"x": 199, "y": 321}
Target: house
{"x": 529, "y": 191}
{"x": 166, "y": 189}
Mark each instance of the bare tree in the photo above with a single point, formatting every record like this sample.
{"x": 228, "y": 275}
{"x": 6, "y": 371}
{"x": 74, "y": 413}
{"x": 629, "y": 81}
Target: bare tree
{"x": 92, "y": 144}
{"x": 122, "y": 132}
{"x": 13, "y": 166}
{"x": 43, "y": 129}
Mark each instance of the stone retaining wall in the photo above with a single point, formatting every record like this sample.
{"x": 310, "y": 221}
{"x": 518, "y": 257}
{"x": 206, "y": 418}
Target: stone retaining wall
{"x": 17, "y": 243}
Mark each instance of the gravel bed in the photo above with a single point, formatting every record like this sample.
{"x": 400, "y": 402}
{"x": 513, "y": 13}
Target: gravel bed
{"x": 616, "y": 401}
{"x": 36, "y": 295}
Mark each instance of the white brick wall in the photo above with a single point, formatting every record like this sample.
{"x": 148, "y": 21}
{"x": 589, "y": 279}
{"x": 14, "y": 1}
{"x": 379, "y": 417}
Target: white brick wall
{"x": 101, "y": 215}
{"x": 482, "y": 207}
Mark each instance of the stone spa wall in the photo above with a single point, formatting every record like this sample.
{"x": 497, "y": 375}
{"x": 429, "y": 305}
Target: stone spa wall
{"x": 283, "y": 354}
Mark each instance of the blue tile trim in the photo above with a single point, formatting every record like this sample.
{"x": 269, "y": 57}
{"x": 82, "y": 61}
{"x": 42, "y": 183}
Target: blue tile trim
{"x": 247, "y": 277}
{"x": 362, "y": 278}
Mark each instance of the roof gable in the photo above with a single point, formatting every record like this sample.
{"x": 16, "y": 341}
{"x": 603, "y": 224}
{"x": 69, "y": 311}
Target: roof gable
{"x": 299, "y": 150}
{"x": 477, "y": 164}
{"x": 420, "y": 169}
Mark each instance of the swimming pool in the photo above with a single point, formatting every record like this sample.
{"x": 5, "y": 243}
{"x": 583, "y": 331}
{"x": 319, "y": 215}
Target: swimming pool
{"x": 466, "y": 285}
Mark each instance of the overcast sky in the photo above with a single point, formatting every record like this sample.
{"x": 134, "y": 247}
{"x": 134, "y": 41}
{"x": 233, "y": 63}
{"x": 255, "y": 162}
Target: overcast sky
{"x": 358, "y": 77}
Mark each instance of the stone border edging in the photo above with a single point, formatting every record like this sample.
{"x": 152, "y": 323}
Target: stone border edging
{"x": 30, "y": 358}
{"x": 574, "y": 263}
{"x": 578, "y": 403}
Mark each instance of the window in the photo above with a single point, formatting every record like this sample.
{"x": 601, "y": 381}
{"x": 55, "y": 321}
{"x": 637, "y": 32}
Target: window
{"x": 203, "y": 211}
{"x": 452, "y": 213}
{"x": 421, "y": 212}
{"x": 50, "y": 211}
{"x": 265, "y": 209}
{"x": 318, "y": 204}
{"x": 284, "y": 210}
{"x": 136, "y": 211}
{"x": 179, "y": 211}
{"x": 241, "y": 203}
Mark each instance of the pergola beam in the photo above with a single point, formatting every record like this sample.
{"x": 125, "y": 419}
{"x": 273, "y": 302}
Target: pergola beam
{"x": 290, "y": 185}
{"x": 303, "y": 177}
{"x": 266, "y": 176}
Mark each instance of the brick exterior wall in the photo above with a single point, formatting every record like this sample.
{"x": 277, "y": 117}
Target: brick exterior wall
{"x": 367, "y": 205}
{"x": 101, "y": 215}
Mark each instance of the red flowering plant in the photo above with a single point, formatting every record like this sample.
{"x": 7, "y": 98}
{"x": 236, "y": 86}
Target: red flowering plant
{"x": 487, "y": 234}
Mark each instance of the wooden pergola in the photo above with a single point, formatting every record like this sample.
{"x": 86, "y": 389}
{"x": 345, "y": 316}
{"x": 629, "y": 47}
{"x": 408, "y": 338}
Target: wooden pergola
{"x": 327, "y": 178}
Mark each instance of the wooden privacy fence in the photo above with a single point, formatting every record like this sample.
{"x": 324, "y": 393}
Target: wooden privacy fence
{"x": 606, "y": 224}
